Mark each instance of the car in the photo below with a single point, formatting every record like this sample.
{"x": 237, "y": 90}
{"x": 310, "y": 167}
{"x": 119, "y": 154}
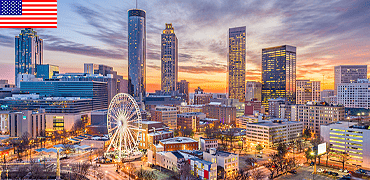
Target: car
{"x": 259, "y": 156}
{"x": 334, "y": 174}
{"x": 312, "y": 163}
{"x": 293, "y": 171}
{"x": 320, "y": 170}
{"x": 346, "y": 171}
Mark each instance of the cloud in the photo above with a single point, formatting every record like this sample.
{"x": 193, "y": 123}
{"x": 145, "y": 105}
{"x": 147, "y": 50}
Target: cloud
{"x": 202, "y": 69}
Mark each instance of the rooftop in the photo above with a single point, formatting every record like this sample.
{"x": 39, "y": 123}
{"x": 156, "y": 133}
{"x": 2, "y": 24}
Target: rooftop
{"x": 202, "y": 161}
{"x": 150, "y": 122}
{"x": 178, "y": 140}
{"x": 349, "y": 125}
{"x": 274, "y": 122}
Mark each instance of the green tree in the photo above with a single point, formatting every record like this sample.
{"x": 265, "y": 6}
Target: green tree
{"x": 307, "y": 133}
{"x": 259, "y": 147}
{"x": 308, "y": 154}
{"x": 282, "y": 149}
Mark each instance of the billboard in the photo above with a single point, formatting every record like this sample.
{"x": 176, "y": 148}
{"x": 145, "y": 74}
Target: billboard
{"x": 321, "y": 149}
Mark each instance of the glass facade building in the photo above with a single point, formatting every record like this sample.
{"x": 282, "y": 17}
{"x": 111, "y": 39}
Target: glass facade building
{"x": 136, "y": 53}
{"x": 46, "y": 71}
{"x": 169, "y": 59}
{"x": 279, "y": 74}
{"x": 236, "y": 63}
{"x": 28, "y": 52}
{"x": 97, "y": 91}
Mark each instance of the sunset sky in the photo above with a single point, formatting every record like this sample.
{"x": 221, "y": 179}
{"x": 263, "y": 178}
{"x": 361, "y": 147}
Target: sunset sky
{"x": 326, "y": 33}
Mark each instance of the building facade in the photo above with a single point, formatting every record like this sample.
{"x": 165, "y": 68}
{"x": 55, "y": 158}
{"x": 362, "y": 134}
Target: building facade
{"x": 183, "y": 87}
{"x": 46, "y": 71}
{"x": 236, "y": 63}
{"x": 31, "y": 122}
{"x": 348, "y": 74}
{"x": 228, "y": 161}
{"x": 354, "y": 95}
{"x": 351, "y": 138}
{"x": 224, "y": 114}
{"x": 165, "y": 114}
{"x": 29, "y": 49}
{"x": 270, "y": 133}
{"x": 169, "y": 59}
{"x": 326, "y": 93}
{"x": 278, "y": 74}
{"x": 315, "y": 114}
{"x": 152, "y": 132}
{"x": 253, "y": 90}
{"x": 206, "y": 144}
{"x": 203, "y": 169}
{"x": 137, "y": 53}
{"x": 190, "y": 120}
{"x": 307, "y": 91}
{"x": 252, "y": 106}
{"x": 179, "y": 143}
{"x": 274, "y": 106}
{"x": 200, "y": 97}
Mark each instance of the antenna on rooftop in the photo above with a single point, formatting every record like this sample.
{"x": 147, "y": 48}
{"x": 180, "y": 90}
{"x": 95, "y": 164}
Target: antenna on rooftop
{"x": 136, "y": 4}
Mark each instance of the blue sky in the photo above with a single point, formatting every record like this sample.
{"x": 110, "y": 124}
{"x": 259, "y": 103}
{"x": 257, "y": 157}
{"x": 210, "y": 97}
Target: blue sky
{"x": 326, "y": 33}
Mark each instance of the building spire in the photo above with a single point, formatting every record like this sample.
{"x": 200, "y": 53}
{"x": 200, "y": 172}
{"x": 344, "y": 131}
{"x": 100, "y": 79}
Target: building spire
{"x": 136, "y": 4}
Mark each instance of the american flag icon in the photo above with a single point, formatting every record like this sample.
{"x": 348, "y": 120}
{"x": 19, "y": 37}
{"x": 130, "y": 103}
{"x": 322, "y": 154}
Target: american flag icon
{"x": 28, "y": 13}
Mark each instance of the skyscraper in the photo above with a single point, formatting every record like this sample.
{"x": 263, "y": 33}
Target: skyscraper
{"x": 348, "y": 74}
{"x": 236, "y": 63}
{"x": 28, "y": 52}
{"x": 253, "y": 90}
{"x": 136, "y": 53}
{"x": 169, "y": 59}
{"x": 307, "y": 91}
{"x": 279, "y": 74}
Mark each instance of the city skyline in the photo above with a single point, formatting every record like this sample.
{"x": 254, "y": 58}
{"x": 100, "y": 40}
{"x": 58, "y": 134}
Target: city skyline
{"x": 203, "y": 49}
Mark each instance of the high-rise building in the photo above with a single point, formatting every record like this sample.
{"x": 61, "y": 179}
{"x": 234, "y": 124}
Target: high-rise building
{"x": 201, "y": 98}
{"x": 348, "y": 74}
{"x": 223, "y": 113}
{"x": 253, "y": 90}
{"x": 307, "y": 91}
{"x": 136, "y": 53}
{"x": 165, "y": 114}
{"x": 28, "y": 52}
{"x": 169, "y": 59}
{"x": 183, "y": 88}
{"x": 274, "y": 106}
{"x": 279, "y": 73}
{"x": 236, "y": 63}
{"x": 46, "y": 71}
{"x": 326, "y": 93}
{"x": 354, "y": 95}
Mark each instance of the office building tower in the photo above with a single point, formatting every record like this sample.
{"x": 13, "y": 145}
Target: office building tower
{"x": 169, "y": 59}
{"x": 201, "y": 98}
{"x": 307, "y": 91}
{"x": 279, "y": 73}
{"x": 137, "y": 53}
{"x": 223, "y": 113}
{"x": 28, "y": 52}
{"x": 165, "y": 114}
{"x": 354, "y": 95}
{"x": 30, "y": 122}
{"x": 46, "y": 71}
{"x": 236, "y": 63}
{"x": 253, "y": 90}
{"x": 348, "y": 74}
{"x": 183, "y": 88}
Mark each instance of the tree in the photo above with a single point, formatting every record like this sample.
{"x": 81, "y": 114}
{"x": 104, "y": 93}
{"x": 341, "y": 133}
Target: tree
{"x": 186, "y": 132}
{"x": 184, "y": 173}
{"x": 343, "y": 157}
{"x": 145, "y": 175}
{"x": 299, "y": 145}
{"x": 307, "y": 133}
{"x": 257, "y": 174}
{"x": 309, "y": 155}
{"x": 81, "y": 170}
{"x": 67, "y": 148}
{"x": 282, "y": 149}
{"x": 329, "y": 152}
{"x": 241, "y": 175}
{"x": 176, "y": 132}
{"x": 259, "y": 147}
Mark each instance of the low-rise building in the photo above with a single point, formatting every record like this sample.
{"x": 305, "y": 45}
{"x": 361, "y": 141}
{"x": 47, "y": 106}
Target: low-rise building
{"x": 165, "y": 114}
{"x": 206, "y": 144}
{"x": 201, "y": 98}
{"x": 190, "y": 108}
{"x": 152, "y": 133}
{"x": 252, "y": 106}
{"x": 350, "y": 138}
{"x": 228, "y": 161}
{"x": 242, "y": 121}
{"x": 270, "y": 132}
{"x": 190, "y": 120}
{"x": 274, "y": 105}
{"x": 172, "y": 160}
{"x": 203, "y": 169}
{"x": 179, "y": 143}
{"x": 31, "y": 122}
{"x": 225, "y": 114}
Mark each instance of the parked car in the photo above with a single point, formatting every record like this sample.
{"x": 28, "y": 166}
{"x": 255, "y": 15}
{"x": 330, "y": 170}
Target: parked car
{"x": 259, "y": 156}
{"x": 320, "y": 170}
{"x": 293, "y": 171}
{"x": 334, "y": 174}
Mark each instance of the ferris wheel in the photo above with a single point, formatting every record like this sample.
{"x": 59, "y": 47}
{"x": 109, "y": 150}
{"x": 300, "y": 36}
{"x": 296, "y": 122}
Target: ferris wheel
{"x": 124, "y": 124}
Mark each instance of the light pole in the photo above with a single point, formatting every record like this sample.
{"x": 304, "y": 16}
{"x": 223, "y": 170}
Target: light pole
{"x": 58, "y": 165}
{"x": 314, "y": 167}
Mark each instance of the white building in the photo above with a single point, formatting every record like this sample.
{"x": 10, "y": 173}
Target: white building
{"x": 64, "y": 121}
{"x": 203, "y": 169}
{"x": 242, "y": 121}
{"x": 228, "y": 161}
{"x": 315, "y": 114}
{"x": 326, "y": 93}
{"x": 350, "y": 138}
{"x": 206, "y": 144}
{"x": 307, "y": 91}
{"x": 268, "y": 133}
{"x": 354, "y": 95}
{"x": 4, "y": 122}
{"x": 190, "y": 108}
{"x": 172, "y": 160}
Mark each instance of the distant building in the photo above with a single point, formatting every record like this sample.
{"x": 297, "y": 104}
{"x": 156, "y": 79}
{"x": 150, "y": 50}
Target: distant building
{"x": 253, "y": 90}
{"x": 326, "y": 93}
{"x": 274, "y": 106}
{"x": 201, "y": 98}
{"x": 26, "y": 78}
{"x": 64, "y": 121}
{"x": 29, "y": 48}
{"x": 285, "y": 111}
{"x": 278, "y": 74}
{"x": 236, "y": 63}
{"x": 354, "y": 95}
{"x": 225, "y": 114}
{"x": 307, "y": 91}
{"x": 165, "y": 114}
{"x": 252, "y": 106}
{"x": 179, "y": 143}
{"x": 137, "y": 53}
{"x": 190, "y": 120}
{"x": 169, "y": 59}
{"x": 152, "y": 133}
{"x": 206, "y": 144}
{"x": 242, "y": 121}
{"x": 31, "y": 122}
{"x": 348, "y": 74}
{"x": 228, "y": 161}
{"x": 231, "y": 102}
{"x": 183, "y": 87}
{"x": 97, "y": 91}
{"x": 46, "y": 71}
{"x": 154, "y": 100}
{"x": 351, "y": 138}
{"x": 190, "y": 108}
{"x": 316, "y": 114}
{"x": 274, "y": 131}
